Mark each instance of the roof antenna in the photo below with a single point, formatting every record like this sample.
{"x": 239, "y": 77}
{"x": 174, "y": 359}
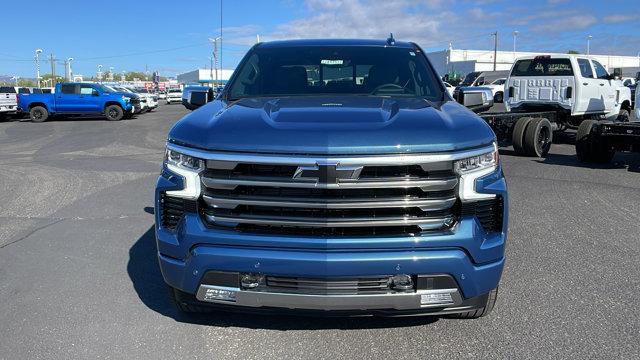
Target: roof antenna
{"x": 391, "y": 40}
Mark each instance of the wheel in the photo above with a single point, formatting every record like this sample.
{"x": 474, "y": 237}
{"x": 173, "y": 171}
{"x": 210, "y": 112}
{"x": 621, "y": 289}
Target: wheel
{"x": 38, "y": 114}
{"x": 538, "y": 137}
{"x": 517, "y": 138}
{"x": 589, "y": 146}
{"x": 483, "y": 311}
{"x": 623, "y": 116}
{"x": 113, "y": 113}
{"x": 499, "y": 97}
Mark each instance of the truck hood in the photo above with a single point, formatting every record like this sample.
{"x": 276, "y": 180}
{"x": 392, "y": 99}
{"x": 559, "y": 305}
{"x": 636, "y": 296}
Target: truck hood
{"x": 332, "y": 125}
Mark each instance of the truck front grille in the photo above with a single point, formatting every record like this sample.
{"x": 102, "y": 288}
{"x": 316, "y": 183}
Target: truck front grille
{"x": 374, "y": 198}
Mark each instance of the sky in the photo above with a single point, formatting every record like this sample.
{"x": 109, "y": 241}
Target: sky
{"x": 172, "y": 36}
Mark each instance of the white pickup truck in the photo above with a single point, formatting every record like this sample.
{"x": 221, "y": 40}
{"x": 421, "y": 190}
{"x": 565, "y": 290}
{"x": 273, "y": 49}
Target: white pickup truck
{"x": 546, "y": 94}
{"x": 577, "y": 85}
{"x": 8, "y": 101}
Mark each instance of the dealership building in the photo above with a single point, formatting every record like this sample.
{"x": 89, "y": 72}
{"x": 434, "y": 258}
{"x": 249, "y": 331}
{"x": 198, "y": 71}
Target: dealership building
{"x": 205, "y": 76}
{"x": 462, "y": 62}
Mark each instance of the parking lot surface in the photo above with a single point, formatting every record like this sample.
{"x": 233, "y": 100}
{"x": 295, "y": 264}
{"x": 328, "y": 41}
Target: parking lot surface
{"x": 79, "y": 276}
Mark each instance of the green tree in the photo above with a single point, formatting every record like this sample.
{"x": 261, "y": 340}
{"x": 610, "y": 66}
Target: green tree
{"x": 574, "y": 52}
{"x": 46, "y": 80}
{"x": 26, "y": 83}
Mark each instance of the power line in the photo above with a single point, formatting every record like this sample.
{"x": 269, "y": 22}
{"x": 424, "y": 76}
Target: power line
{"x": 143, "y": 52}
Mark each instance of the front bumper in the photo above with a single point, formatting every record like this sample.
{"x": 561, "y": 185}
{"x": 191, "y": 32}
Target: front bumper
{"x": 471, "y": 256}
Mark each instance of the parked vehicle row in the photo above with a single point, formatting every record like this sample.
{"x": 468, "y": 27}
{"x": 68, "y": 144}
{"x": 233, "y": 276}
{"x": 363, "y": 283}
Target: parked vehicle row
{"x": 114, "y": 101}
{"x": 75, "y": 99}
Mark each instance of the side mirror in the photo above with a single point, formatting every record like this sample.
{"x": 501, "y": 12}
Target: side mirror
{"x": 477, "y": 99}
{"x": 95, "y": 93}
{"x": 197, "y": 98}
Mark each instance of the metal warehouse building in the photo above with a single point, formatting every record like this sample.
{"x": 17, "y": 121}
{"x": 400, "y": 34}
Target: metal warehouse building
{"x": 204, "y": 76}
{"x": 461, "y": 62}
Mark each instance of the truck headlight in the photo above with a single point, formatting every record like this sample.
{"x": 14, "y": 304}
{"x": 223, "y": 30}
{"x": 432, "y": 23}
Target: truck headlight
{"x": 472, "y": 168}
{"x": 189, "y": 168}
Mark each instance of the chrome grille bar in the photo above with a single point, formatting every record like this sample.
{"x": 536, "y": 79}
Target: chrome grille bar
{"x": 425, "y": 223}
{"x": 425, "y": 204}
{"x": 424, "y": 184}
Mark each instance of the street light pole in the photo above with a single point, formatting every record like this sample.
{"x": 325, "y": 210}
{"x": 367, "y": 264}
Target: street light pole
{"x": 515, "y": 35}
{"x": 495, "y": 50}
{"x": 69, "y": 60}
{"x": 214, "y": 62}
{"x": 589, "y": 44}
{"x": 99, "y": 74}
{"x": 38, "y": 52}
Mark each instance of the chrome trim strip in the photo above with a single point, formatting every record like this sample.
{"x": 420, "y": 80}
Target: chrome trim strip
{"x": 313, "y": 160}
{"x": 424, "y": 223}
{"x": 429, "y": 185}
{"x": 430, "y": 204}
{"x": 397, "y": 301}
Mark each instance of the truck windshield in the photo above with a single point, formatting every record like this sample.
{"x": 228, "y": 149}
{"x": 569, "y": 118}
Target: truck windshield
{"x": 542, "y": 66}
{"x": 335, "y": 70}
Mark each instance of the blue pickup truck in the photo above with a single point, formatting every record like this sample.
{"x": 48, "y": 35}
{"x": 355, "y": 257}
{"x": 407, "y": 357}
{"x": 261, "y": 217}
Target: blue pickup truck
{"x": 333, "y": 177}
{"x": 79, "y": 99}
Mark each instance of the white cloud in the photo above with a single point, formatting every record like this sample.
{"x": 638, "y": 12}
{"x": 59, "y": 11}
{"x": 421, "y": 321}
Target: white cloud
{"x": 561, "y": 24}
{"x": 614, "y": 19}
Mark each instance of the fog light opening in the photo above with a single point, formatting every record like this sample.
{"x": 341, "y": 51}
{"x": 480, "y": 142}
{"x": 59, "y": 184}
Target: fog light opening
{"x": 402, "y": 282}
{"x": 251, "y": 281}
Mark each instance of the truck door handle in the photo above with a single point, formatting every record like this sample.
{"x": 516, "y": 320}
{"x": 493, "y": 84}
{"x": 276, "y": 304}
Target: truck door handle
{"x": 601, "y": 84}
{"x": 585, "y": 84}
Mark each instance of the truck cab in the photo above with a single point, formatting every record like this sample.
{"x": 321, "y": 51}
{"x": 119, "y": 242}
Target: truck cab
{"x": 576, "y": 84}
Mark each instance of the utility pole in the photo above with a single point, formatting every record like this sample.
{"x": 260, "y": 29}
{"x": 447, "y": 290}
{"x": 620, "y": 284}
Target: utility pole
{"x": 495, "y": 50}
{"x": 99, "y": 74}
{"x": 589, "y": 44}
{"x": 515, "y": 35}
{"x": 53, "y": 60}
{"x": 38, "y": 52}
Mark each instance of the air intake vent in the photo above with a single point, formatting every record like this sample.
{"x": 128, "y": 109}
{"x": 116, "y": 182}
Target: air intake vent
{"x": 173, "y": 209}
{"x": 488, "y": 212}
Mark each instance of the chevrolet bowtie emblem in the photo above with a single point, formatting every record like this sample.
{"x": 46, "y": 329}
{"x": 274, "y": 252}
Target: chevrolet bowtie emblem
{"x": 328, "y": 173}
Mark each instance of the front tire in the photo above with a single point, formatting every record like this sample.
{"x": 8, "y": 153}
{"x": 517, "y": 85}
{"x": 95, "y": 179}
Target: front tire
{"x": 114, "y": 113}
{"x": 38, "y": 114}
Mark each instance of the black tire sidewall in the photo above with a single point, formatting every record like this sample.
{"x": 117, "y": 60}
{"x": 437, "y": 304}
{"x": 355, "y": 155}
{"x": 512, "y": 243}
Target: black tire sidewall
{"x": 44, "y": 116}
{"x": 531, "y": 145}
{"x": 517, "y": 137}
{"x": 107, "y": 112}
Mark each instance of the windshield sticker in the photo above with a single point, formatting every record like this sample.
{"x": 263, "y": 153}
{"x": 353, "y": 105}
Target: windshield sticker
{"x": 331, "y": 62}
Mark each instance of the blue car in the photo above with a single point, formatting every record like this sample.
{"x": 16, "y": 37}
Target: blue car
{"x": 333, "y": 177}
{"x": 73, "y": 99}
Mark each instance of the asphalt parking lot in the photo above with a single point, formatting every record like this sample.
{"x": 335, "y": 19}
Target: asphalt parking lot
{"x": 79, "y": 278}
